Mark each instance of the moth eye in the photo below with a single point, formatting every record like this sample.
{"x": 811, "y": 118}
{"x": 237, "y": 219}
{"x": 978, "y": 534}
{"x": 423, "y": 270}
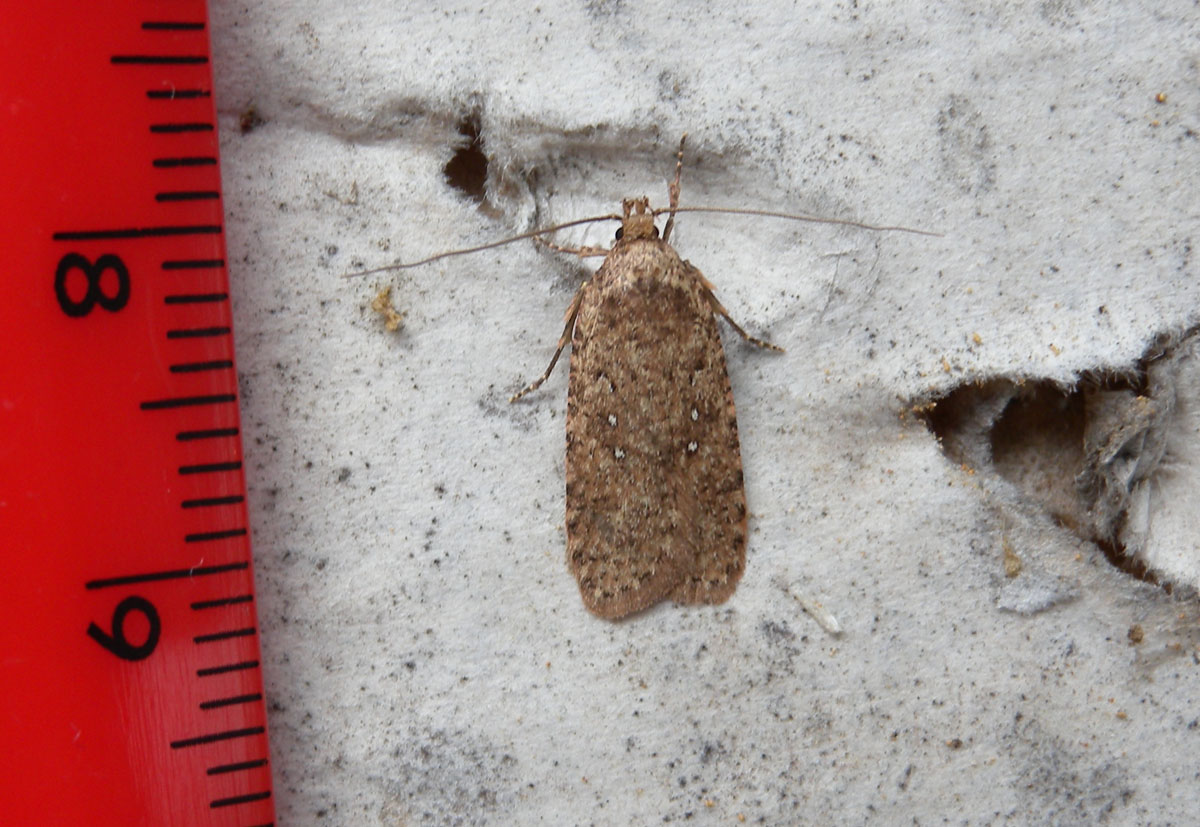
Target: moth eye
{"x": 620, "y": 232}
{"x": 656, "y": 232}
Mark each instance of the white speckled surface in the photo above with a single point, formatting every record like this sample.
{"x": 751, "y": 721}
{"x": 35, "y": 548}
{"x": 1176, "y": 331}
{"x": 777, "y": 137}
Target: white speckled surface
{"x": 427, "y": 656}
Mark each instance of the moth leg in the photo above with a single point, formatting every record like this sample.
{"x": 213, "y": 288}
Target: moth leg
{"x": 582, "y": 252}
{"x": 720, "y": 310}
{"x": 673, "y": 190}
{"x": 572, "y": 312}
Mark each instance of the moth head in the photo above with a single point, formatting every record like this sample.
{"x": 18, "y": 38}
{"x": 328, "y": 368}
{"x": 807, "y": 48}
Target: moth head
{"x": 638, "y": 221}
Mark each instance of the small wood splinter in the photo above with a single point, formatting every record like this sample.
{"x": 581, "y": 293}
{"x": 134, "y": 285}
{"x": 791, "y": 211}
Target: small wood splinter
{"x": 655, "y": 501}
{"x": 382, "y": 304}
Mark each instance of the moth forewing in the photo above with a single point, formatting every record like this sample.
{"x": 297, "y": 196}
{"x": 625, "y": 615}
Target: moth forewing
{"x": 655, "y": 504}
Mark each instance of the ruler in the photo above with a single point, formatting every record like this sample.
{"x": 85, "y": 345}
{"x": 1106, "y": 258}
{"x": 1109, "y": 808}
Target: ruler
{"x": 130, "y": 674}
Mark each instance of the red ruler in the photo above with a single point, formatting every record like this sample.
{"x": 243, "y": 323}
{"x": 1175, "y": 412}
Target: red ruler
{"x": 130, "y": 675}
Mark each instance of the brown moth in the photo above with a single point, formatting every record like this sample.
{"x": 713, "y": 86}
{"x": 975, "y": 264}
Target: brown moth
{"x": 656, "y": 507}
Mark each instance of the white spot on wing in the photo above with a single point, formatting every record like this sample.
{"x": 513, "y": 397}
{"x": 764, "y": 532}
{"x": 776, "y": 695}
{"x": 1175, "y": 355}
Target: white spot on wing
{"x": 619, "y": 454}
{"x": 695, "y": 414}
{"x": 612, "y": 420}
{"x": 692, "y": 446}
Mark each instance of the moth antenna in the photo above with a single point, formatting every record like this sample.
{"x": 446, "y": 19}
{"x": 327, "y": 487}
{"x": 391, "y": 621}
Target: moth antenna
{"x": 814, "y": 219}
{"x": 466, "y": 250}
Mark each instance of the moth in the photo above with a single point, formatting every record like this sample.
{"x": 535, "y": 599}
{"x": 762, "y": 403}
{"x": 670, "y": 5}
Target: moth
{"x": 655, "y": 498}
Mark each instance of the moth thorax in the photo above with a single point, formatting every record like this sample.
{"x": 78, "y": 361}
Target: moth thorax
{"x": 638, "y": 221}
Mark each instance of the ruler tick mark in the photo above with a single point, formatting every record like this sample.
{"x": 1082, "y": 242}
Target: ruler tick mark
{"x": 242, "y": 765}
{"x": 208, "y": 536}
{"x": 196, "y": 367}
{"x": 221, "y": 670}
{"x": 185, "y": 161}
{"x": 158, "y": 60}
{"x": 185, "y": 401}
{"x": 239, "y": 799}
{"x": 137, "y": 232}
{"x": 175, "y": 128}
{"x": 195, "y": 298}
{"x": 187, "y": 195}
{"x": 211, "y": 433}
{"x": 226, "y": 635}
{"x": 174, "y": 574}
{"x": 193, "y": 264}
{"x": 214, "y": 737}
{"x": 171, "y": 26}
{"x": 197, "y": 332}
{"x": 221, "y": 602}
{"x": 210, "y": 467}
{"x": 207, "y": 501}
{"x": 177, "y": 94}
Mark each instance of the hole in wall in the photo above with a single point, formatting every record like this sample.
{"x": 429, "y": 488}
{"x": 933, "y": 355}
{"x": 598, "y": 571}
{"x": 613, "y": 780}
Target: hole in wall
{"x": 467, "y": 171}
{"x": 1093, "y": 455}
{"x": 250, "y": 119}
